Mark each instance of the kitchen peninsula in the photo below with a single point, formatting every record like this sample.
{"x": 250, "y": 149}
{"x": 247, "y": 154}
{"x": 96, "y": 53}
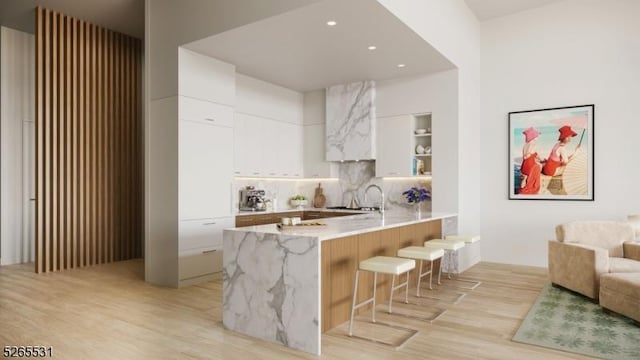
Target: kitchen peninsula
{"x": 290, "y": 286}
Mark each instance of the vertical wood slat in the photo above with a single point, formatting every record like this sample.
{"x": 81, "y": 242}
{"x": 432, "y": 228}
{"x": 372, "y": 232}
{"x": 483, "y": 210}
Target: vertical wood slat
{"x": 82, "y": 197}
{"x": 73, "y": 94}
{"x": 40, "y": 43}
{"x": 88, "y": 113}
{"x": 54, "y": 142}
{"x": 43, "y": 202}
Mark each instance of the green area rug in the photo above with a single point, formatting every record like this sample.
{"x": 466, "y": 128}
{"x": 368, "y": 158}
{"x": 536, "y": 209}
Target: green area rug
{"x": 562, "y": 320}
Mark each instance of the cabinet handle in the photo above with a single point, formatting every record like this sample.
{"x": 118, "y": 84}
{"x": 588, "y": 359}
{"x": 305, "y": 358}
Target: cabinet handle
{"x": 272, "y": 174}
{"x": 210, "y": 223}
{"x": 210, "y": 119}
{"x": 209, "y": 251}
{"x": 393, "y": 173}
{"x": 237, "y": 172}
{"x": 32, "y": 199}
{"x": 315, "y": 175}
{"x": 285, "y": 174}
{"x": 256, "y": 173}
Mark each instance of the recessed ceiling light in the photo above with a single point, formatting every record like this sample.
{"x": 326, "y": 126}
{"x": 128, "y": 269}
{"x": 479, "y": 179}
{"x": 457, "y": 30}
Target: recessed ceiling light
{"x": 401, "y": 65}
{"x": 332, "y": 23}
{"x": 372, "y": 47}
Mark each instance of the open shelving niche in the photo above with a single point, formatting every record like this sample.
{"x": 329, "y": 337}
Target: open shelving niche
{"x": 422, "y": 121}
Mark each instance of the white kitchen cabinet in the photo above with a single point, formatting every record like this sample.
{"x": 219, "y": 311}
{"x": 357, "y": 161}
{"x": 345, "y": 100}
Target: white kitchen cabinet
{"x": 289, "y": 150}
{"x": 261, "y": 98}
{"x": 199, "y": 267}
{"x": 205, "y": 170}
{"x": 266, "y": 147}
{"x": 314, "y": 162}
{"x": 203, "y": 77}
{"x": 249, "y": 140}
{"x": 205, "y": 111}
{"x": 202, "y": 235}
{"x": 394, "y": 145}
{"x": 272, "y": 165}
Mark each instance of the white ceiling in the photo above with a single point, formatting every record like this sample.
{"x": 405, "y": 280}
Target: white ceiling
{"x": 299, "y": 51}
{"x": 125, "y": 16}
{"x": 488, "y": 9}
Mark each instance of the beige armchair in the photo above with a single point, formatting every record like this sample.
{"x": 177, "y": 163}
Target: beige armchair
{"x": 584, "y": 250}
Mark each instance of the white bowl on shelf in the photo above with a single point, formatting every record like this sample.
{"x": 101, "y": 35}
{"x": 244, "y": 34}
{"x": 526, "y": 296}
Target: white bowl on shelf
{"x": 420, "y": 131}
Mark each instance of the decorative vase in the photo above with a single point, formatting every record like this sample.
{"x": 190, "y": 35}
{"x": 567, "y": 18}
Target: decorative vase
{"x": 418, "y": 209}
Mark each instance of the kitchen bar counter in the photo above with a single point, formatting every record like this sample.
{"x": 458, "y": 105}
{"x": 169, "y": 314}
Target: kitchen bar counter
{"x": 347, "y": 225}
{"x": 247, "y": 213}
{"x": 289, "y": 286}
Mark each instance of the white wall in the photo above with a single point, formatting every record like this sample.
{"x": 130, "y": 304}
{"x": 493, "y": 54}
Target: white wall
{"x": 17, "y": 56}
{"x": 437, "y": 94}
{"x": 571, "y": 53}
{"x": 452, "y": 29}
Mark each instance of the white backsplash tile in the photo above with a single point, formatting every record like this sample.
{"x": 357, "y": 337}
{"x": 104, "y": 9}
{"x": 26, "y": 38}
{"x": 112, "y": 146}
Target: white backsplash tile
{"x": 354, "y": 177}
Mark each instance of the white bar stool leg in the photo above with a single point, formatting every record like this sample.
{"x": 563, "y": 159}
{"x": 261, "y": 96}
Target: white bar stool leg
{"x": 393, "y": 283}
{"x": 354, "y": 306}
{"x": 373, "y": 309}
{"x": 353, "y": 302}
{"x": 460, "y": 295}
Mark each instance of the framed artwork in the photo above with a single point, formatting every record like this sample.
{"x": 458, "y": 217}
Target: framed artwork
{"x": 551, "y": 154}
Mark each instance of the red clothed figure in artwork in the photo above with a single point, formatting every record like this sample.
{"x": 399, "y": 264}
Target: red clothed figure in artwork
{"x": 530, "y": 168}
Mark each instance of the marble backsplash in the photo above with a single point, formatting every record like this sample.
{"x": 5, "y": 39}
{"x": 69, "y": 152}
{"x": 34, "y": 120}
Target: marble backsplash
{"x": 353, "y": 179}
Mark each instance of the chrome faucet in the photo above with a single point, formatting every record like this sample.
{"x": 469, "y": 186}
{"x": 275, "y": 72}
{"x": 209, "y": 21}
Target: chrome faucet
{"x": 381, "y": 196}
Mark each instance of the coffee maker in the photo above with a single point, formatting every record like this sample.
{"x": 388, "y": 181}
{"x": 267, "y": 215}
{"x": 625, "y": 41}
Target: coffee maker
{"x": 252, "y": 199}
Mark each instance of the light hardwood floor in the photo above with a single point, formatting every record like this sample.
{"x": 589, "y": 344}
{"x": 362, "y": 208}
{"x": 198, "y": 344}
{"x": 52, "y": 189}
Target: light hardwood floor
{"x": 108, "y": 312}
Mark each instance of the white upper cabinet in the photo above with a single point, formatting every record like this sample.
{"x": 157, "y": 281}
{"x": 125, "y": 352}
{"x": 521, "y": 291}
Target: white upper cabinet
{"x": 205, "y": 170}
{"x": 260, "y": 98}
{"x": 315, "y": 165}
{"x": 205, "y": 112}
{"x": 249, "y": 144}
{"x": 203, "y": 77}
{"x": 290, "y": 150}
{"x": 267, "y": 148}
{"x": 394, "y": 146}
{"x": 269, "y": 131}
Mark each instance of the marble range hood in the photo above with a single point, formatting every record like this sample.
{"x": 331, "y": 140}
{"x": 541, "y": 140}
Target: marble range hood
{"x": 350, "y": 122}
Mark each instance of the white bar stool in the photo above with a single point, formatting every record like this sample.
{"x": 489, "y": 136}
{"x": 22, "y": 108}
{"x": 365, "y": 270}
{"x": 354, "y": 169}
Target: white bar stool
{"x": 468, "y": 240}
{"x": 423, "y": 254}
{"x": 387, "y": 265}
{"x": 450, "y": 247}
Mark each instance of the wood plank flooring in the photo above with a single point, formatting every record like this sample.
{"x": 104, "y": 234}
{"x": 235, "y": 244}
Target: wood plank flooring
{"x": 108, "y": 312}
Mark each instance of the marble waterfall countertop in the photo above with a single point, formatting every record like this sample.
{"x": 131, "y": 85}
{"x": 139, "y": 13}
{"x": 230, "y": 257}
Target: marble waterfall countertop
{"x": 272, "y": 278}
{"x": 348, "y": 225}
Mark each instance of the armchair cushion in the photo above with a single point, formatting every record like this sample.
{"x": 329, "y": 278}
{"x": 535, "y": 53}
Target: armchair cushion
{"x": 608, "y": 235}
{"x": 622, "y": 265}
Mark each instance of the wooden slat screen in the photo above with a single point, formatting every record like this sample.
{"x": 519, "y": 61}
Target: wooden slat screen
{"x": 88, "y": 144}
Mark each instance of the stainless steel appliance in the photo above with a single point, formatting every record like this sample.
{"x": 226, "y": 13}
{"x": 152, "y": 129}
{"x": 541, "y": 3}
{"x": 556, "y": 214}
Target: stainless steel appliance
{"x": 252, "y": 199}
